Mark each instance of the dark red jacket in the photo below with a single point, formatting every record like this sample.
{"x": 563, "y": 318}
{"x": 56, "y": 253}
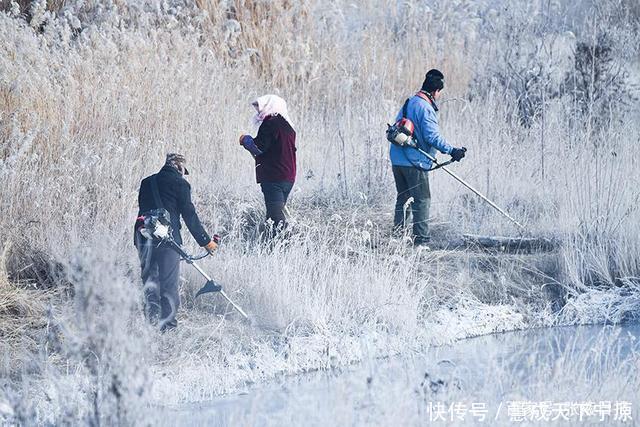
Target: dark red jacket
{"x": 277, "y": 141}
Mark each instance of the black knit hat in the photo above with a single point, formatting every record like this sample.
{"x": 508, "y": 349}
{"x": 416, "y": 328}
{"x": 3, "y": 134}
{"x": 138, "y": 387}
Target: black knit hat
{"x": 433, "y": 81}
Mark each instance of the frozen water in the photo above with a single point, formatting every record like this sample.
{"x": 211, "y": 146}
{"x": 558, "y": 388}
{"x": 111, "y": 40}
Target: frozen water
{"x": 564, "y": 364}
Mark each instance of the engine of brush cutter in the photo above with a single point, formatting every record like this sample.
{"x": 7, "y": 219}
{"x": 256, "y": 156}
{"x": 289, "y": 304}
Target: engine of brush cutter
{"x": 155, "y": 225}
{"x": 401, "y": 133}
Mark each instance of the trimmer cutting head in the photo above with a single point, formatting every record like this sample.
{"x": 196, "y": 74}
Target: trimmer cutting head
{"x": 208, "y": 287}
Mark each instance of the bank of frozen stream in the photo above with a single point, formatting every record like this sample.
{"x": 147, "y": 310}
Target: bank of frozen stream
{"x": 586, "y": 375}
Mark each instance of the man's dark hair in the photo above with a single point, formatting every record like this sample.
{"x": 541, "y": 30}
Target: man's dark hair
{"x": 433, "y": 81}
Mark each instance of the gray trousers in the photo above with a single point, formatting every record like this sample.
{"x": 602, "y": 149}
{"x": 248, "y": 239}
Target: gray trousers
{"x": 412, "y": 182}
{"x": 160, "y": 276}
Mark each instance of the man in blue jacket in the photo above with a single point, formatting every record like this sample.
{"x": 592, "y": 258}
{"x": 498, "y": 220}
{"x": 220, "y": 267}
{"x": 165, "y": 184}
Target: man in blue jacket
{"x": 410, "y": 167}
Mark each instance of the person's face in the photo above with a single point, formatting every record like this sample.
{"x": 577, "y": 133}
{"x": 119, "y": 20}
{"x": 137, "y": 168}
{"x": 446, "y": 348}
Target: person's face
{"x": 436, "y": 94}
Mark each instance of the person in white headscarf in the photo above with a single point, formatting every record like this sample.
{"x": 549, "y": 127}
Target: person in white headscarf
{"x": 270, "y": 105}
{"x": 274, "y": 151}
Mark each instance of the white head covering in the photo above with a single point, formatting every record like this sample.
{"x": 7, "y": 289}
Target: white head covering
{"x": 270, "y": 105}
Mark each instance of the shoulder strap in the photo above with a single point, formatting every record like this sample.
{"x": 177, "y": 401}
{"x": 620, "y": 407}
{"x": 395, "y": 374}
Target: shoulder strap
{"x": 156, "y": 192}
{"x": 404, "y": 108}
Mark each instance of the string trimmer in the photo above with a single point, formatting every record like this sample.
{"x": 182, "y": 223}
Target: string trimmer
{"x": 158, "y": 228}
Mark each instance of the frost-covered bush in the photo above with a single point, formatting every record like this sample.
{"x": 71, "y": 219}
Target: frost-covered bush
{"x": 598, "y": 84}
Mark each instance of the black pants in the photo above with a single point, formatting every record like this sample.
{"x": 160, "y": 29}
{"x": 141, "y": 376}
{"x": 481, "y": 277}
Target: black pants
{"x": 160, "y": 276}
{"x": 412, "y": 182}
{"x": 275, "y": 198}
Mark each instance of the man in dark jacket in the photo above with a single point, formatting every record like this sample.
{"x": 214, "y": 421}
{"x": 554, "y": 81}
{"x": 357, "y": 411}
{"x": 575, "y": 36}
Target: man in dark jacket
{"x": 160, "y": 264}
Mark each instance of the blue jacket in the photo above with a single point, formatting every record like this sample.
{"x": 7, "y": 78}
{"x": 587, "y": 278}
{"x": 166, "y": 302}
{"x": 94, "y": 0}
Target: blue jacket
{"x": 427, "y": 132}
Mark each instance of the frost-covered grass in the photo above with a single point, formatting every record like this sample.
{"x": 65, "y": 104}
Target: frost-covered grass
{"x": 92, "y": 98}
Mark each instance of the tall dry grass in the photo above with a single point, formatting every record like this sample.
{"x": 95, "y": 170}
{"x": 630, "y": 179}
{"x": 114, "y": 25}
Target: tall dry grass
{"x": 92, "y": 98}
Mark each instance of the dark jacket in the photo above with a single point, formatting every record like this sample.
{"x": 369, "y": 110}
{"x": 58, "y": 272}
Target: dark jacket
{"x": 175, "y": 194}
{"x": 277, "y": 141}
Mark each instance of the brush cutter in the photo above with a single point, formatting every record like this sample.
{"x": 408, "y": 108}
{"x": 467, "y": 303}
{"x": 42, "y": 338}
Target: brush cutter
{"x": 401, "y": 133}
{"x": 210, "y": 285}
{"x": 156, "y": 226}
{"x": 461, "y": 181}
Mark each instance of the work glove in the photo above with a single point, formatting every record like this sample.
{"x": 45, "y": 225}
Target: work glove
{"x": 458, "y": 153}
{"x": 213, "y": 244}
{"x": 250, "y": 145}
